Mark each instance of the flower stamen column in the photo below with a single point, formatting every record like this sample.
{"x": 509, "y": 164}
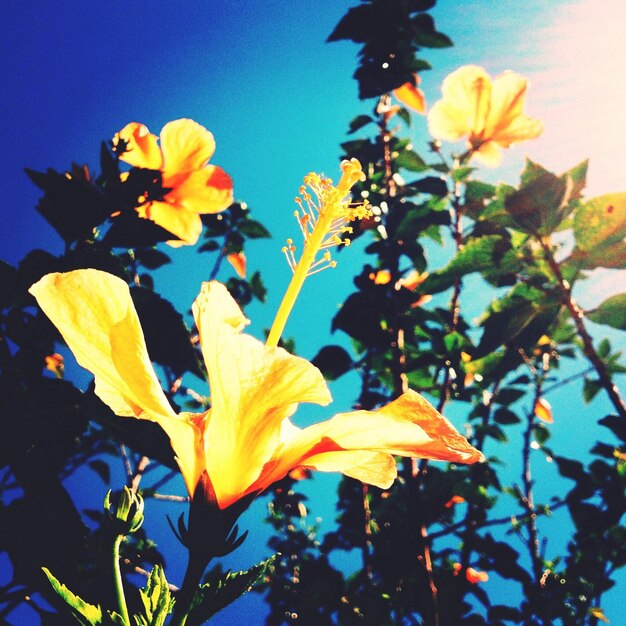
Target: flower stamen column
{"x": 322, "y": 218}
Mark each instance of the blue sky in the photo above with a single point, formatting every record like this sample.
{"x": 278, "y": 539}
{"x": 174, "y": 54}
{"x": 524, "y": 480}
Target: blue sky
{"x": 278, "y": 100}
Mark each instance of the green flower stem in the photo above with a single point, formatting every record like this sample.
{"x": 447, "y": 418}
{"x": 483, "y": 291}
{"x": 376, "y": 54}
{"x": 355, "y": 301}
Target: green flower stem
{"x": 119, "y": 584}
{"x": 184, "y": 597}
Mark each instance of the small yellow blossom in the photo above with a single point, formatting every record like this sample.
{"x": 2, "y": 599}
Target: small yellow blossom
{"x": 489, "y": 113}
{"x": 182, "y": 157}
{"x": 245, "y": 441}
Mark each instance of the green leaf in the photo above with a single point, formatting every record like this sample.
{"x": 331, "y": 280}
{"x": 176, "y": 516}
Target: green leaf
{"x": 455, "y": 342}
{"x": 612, "y": 312}
{"x": 425, "y": 35}
{"x": 360, "y": 318}
{"x": 604, "y": 349}
{"x": 521, "y": 316}
{"x": 410, "y": 160}
{"x": 359, "y": 122}
{"x": 156, "y": 598}
{"x": 590, "y": 389}
{"x": 151, "y": 258}
{"x": 101, "y": 468}
{"x": 257, "y": 286}
{"x": 86, "y": 614}
{"x": 220, "y": 591}
{"x": 71, "y": 204}
{"x": 477, "y": 255}
{"x": 128, "y": 230}
{"x": 167, "y": 335}
{"x": 432, "y": 185}
{"x": 209, "y": 246}
{"x": 8, "y": 282}
{"x": 544, "y": 200}
{"x": 505, "y": 416}
{"x": 253, "y": 230}
{"x": 333, "y": 361}
{"x": 600, "y": 230}
{"x": 405, "y": 116}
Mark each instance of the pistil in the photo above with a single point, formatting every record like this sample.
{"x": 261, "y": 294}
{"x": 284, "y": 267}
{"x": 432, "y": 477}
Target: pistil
{"x": 322, "y": 220}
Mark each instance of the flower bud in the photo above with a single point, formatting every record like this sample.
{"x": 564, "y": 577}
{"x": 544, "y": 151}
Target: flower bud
{"x": 127, "y": 512}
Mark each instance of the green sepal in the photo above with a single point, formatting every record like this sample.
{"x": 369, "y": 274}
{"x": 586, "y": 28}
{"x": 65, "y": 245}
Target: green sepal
{"x": 84, "y": 613}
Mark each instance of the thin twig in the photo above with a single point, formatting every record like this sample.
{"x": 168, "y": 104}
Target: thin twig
{"x": 576, "y": 314}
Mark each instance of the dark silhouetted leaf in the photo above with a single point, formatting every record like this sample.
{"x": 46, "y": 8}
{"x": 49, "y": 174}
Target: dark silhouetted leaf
{"x": 359, "y": 122}
{"x": 152, "y": 259}
{"x": 410, "y": 160}
{"x": 333, "y": 361}
{"x": 167, "y": 336}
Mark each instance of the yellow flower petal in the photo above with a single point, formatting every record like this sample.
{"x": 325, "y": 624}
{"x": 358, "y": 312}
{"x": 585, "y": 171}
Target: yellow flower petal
{"x": 253, "y": 388}
{"x": 95, "y": 314}
{"x": 507, "y": 102}
{"x": 410, "y": 95}
{"x": 361, "y": 443}
{"x": 208, "y": 190}
{"x": 142, "y": 149}
{"x": 186, "y": 146}
{"x": 543, "y": 411}
{"x": 489, "y": 113}
{"x": 447, "y": 122}
{"x": 238, "y": 261}
{"x": 489, "y": 153}
{"x": 185, "y": 225}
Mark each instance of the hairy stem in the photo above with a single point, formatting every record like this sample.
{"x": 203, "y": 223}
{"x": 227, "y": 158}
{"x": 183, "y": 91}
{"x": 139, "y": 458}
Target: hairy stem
{"x": 118, "y": 582}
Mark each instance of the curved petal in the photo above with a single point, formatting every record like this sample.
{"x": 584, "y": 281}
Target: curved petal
{"x": 142, "y": 149}
{"x": 448, "y": 122}
{"x": 209, "y": 190}
{"x": 253, "y": 388}
{"x": 185, "y": 225}
{"x": 95, "y": 314}
{"x": 408, "y": 426}
{"x": 518, "y": 129}
{"x": 507, "y": 101}
{"x": 411, "y": 96}
{"x": 186, "y": 146}
{"x": 488, "y": 153}
{"x": 468, "y": 89}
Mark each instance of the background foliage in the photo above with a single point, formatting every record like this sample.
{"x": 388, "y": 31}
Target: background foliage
{"x": 501, "y": 334}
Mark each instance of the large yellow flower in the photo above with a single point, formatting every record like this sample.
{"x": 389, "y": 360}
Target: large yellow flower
{"x": 245, "y": 441}
{"x": 489, "y": 113}
{"x": 182, "y": 157}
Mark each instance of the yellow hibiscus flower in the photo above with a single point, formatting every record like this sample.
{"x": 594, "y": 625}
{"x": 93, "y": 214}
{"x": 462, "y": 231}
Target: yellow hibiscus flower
{"x": 182, "y": 157}
{"x": 489, "y": 113}
{"x": 245, "y": 441}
